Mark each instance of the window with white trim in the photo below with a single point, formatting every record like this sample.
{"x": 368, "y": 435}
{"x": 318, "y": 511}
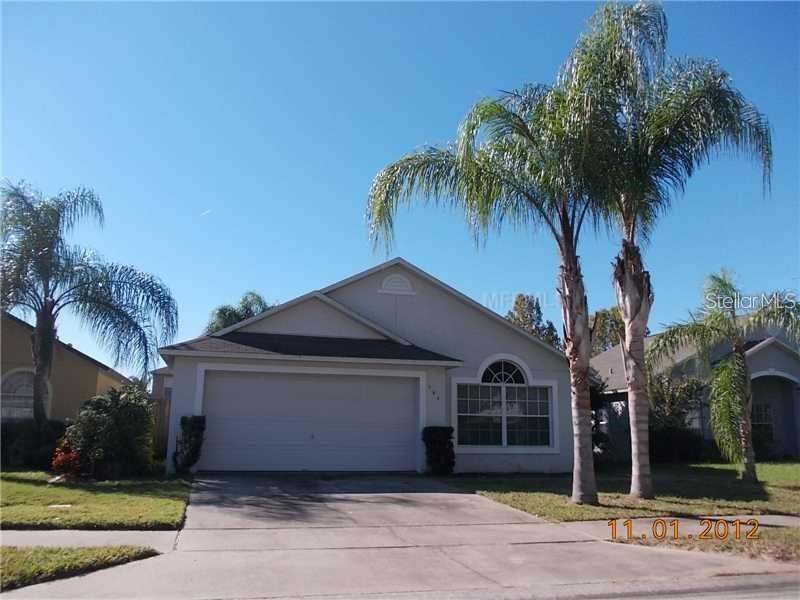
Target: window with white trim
{"x": 17, "y": 396}
{"x": 503, "y": 410}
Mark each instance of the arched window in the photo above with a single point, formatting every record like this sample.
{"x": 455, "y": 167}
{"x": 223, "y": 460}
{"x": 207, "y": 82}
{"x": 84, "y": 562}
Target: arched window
{"x": 503, "y": 371}
{"x": 503, "y": 410}
{"x": 17, "y": 395}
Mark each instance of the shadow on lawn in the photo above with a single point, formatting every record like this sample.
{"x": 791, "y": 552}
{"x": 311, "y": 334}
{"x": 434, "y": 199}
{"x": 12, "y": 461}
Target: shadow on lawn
{"x": 688, "y": 482}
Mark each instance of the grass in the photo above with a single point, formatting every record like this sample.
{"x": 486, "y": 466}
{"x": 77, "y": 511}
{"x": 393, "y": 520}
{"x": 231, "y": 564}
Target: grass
{"x": 36, "y": 564}
{"x": 682, "y": 490}
{"x": 779, "y": 543}
{"x": 27, "y": 501}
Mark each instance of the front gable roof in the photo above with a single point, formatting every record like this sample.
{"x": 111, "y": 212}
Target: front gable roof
{"x": 329, "y": 303}
{"x": 449, "y": 290}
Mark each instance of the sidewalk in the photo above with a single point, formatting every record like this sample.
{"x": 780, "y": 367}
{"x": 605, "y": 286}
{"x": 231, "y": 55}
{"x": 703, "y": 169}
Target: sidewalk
{"x": 160, "y": 541}
{"x": 575, "y": 531}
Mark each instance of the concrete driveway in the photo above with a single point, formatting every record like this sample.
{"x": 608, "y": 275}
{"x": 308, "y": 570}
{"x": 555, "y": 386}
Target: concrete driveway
{"x": 405, "y": 537}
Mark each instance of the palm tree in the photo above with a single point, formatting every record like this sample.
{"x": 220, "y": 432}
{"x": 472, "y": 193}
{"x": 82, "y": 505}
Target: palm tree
{"x": 225, "y": 315}
{"x": 670, "y": 118}
{"x": 129, "y": 312}
{"x": 717, "y": 325}
{"x": 527, "y": 157}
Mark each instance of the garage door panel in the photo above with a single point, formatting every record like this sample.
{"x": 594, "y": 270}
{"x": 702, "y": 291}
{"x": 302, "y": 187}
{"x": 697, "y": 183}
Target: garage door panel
{"x": 279, "y": 421}
{"x": 220, "y": 430}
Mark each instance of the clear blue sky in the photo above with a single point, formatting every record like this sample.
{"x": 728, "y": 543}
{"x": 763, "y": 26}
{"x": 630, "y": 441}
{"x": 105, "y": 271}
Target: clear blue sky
{"x": 233, "y": 144}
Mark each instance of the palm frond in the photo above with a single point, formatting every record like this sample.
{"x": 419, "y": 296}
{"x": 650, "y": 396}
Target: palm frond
{"x": 77, "y": 205}
{"x": 728, "y": 395}
{"x": 430, "y": 175}
{"x": 780, "y": 311}
{"x": 130, "y": 312}
{"x": 697, "y": 113}
{"x": 678, "y": 336}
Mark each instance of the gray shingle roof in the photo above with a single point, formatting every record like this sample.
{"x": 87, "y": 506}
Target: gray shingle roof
{"x": 304, "y": 345}
{"x": 611, "y": 368}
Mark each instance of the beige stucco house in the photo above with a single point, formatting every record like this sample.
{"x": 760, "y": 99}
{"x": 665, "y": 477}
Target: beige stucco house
{"x": 346, "y": 377}
{"x": 74, "y": 378}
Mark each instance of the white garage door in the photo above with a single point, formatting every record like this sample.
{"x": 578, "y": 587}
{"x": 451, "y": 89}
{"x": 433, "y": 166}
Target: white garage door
{"x": 295, "y": 422}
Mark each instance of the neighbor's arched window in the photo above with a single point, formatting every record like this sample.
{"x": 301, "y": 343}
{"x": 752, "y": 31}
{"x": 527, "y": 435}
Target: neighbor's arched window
{"x": 17, "y": 395}
{"x": 503, "y": 410}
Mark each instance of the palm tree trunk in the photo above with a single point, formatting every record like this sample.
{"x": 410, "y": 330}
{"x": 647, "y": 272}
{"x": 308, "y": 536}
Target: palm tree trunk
{"x": 635, "y": 299}
{"x": 577, "y": 345}
{"x": 42, "y": 341}
{"x": 746, "y": 428}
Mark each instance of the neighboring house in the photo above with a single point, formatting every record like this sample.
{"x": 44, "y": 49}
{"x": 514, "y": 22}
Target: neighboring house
{"x": 345, "y": 379}
{"x": 775, "y": 372}
{"x": 74, "y": 378}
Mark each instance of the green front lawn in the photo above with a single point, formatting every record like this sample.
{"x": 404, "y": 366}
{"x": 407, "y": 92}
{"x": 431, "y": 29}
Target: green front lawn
{"x": 27, "y": 501}
{"x": 681, "y": 490}
{"x": 36, "y": 564}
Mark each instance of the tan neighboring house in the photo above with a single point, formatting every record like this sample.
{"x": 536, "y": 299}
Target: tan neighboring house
{"x": 75, "y": 377}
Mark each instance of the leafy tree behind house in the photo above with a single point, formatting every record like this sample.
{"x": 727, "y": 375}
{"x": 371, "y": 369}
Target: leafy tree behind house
{"x": 130, "y": 312}
{"x": 527, "y": 314}
{"x": 250, "y": 305}
{"x": 608, "y": 329}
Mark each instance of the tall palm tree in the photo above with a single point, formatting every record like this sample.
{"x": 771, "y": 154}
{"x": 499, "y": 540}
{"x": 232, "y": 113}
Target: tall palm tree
{"x": 527, "y": 157}
{"x": 670, "y": 117}
{"x": 129, "y": 312}
{"x": 225, "y": 315}
{"x": 717, "y": 325}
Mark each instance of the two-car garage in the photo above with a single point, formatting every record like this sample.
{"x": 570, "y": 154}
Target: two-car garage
{"x": 296, "y": 421}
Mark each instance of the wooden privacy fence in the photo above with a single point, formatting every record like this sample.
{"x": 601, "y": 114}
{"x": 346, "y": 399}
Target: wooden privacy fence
{"x": 161, "y": 428}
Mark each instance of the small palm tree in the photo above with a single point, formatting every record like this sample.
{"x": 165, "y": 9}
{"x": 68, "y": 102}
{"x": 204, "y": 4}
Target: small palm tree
{"x": 129, "y": 312}
{"x": 525, "y": 157}
{"x": 250, "y": 305}
{"x": 670, "y": 118}
{"x": 717, "y": 325}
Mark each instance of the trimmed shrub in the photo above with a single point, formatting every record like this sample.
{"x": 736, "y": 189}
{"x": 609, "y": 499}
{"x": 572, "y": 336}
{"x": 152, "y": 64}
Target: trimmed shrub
{"x": 113, "y": 434}
{"x": 24, "y": 444}
{"x": 439, "y": 452}
{"x": 188, "y": 446}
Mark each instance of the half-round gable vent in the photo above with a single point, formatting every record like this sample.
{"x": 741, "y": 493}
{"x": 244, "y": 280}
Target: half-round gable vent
{"x": 396, "y": 284}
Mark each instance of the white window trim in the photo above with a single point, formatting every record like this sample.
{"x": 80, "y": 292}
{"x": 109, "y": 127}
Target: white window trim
{"x": 508, "y": 357}
{"x": 775, "y": 373}
{"x": 422, "y": 400}
{"x": 48, "y": 404}
{"x": 504, "y": 449}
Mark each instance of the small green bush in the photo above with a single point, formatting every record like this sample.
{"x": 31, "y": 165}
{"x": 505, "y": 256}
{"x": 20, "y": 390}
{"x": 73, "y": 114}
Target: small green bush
{"x": 188, "y": 446}
{"x": 439, "y": 452}
{"x": 25, "y": 444}
{"x": 113, "y": 434}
